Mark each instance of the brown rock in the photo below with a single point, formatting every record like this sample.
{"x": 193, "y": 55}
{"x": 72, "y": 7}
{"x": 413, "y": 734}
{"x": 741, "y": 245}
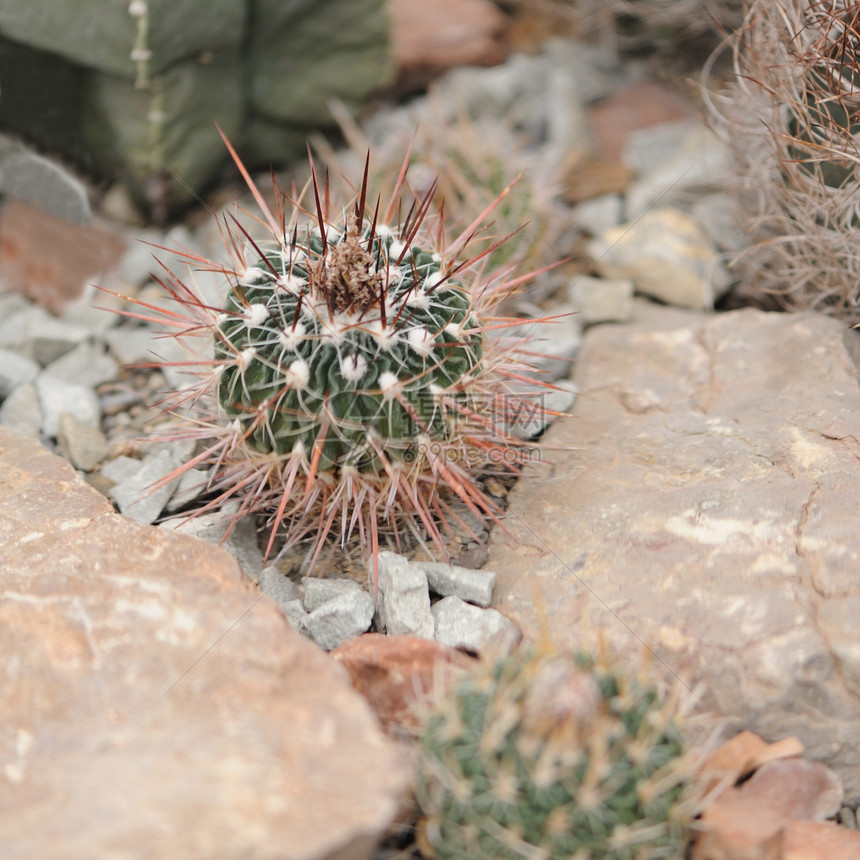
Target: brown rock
{"x": 398, "y": 674}
{"x": 747, "y": 821}
{"x": 153, "y": 704}
{"x": 589, "y": 177}
{"x": 702, "y": 499}
{"x": 639, "y": 105}
{"x": 742, "y": 755}
{"x": 432, "y": 36}
{"x": 49, "y": 259}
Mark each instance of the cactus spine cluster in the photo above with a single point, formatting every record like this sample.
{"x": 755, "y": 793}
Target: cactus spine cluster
{"x": 353, "y": 343}
{"x": 552, "y": 757}
{"x": 352, "y": 389}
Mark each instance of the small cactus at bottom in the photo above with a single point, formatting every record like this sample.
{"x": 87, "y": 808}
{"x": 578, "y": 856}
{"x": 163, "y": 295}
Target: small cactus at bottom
{"x": 550, "y": 757}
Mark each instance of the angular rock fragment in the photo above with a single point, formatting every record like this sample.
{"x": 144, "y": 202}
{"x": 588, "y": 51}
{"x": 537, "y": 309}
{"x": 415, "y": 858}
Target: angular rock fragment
{"x": 461, "y": 625}
{"x": 141, "y": 496}
{"x": 404, "y": 599}
{"x": 21, "y": 411}
{"x": 400, "y": 675}
{"x": 56, "y": 396}
{"x": 473, "y": 586}
{"x": 81, "y": 443}
{"x": 319, "y": 590}
{"x": 347, "y": 615}
{"x": 666, "y": 255}
{"x": 15, "y": 370}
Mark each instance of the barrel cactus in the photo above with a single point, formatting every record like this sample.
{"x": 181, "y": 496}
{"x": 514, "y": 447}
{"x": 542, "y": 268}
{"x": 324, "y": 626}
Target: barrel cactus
{"x": 551, "y": 756}
{"x": 351, "y": 387}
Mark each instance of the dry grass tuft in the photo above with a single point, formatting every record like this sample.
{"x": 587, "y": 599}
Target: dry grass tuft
{"x": 791, "y": 117}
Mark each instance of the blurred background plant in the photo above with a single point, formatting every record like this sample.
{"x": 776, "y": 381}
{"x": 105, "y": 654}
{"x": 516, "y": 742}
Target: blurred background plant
{"x": 790, "y": 115}
{"x": 131, "y": 89}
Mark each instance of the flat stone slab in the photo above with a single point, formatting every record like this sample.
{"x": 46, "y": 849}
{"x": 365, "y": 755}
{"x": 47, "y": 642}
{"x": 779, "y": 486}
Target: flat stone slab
{"x": 153, "y": 703}
{"x": 704, "y": 499}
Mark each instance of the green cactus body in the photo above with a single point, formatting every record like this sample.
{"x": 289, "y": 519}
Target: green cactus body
{"x": 352, "y": 389}
{"x": 323, "y": 364}
{"x": 542, "y": 757}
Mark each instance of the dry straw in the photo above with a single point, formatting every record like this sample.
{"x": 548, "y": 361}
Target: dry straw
{"x": 790, "y": 116}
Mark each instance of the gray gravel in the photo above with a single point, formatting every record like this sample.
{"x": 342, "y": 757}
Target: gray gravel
{"x": 474, "y": 586}
{"x": 404, "y": 598}
{"x": 461, "y": 625}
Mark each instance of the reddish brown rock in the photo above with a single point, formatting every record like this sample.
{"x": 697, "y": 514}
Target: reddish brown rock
{"x": 49, "y": 259}
{"x": 747, "y": 822}
{"x": 152, "y": 703}
{"x": 639, "y": 105}
{"x": 432, "y": 36}
{"x": 397, "y": 674}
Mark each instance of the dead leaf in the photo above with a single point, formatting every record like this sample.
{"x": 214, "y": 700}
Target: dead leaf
{"x": 741, "y": 756}
{"x": 746, "y": 821}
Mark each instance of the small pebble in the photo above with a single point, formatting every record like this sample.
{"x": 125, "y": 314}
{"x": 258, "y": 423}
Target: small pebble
{"x": 404, "y": 598}
{"x": 274, "y": 584}
{"x": 296, "y": 614}
{"x": 21, "y": 411}
{"x": 191, "y": 484}
{"x": 241, "y": 542}
{"x": 15, "y": 370}
{"x": 666, "y": 255}
{"x": 337, "y": 620}
{"x": 320, "y": 590}
{"x": 56, "y": 396}
{"x": 52, "y": 338}
{"x": 142, "y": 496}
{"x": 87, "y": 364}
{"x": 120, "y": 469}
{"x": 473, "y": 586}
{"x": 602, "y": 300}
{"x": 461, "y": 625}
{"x": 848, "y": 817}
{"x": 82, "y": 444}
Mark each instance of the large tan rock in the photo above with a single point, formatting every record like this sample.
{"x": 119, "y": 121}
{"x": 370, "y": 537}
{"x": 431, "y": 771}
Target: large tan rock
{"x": 705, "y": 502}
{"x": 152, "y": 703}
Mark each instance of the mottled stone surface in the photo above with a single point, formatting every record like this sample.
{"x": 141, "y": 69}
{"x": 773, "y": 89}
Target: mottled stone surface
{"x": 703, "y": 499}
{"x": 153, "y": 703}
{"x": 403, "y": 607}
{"x": 400, "y": 676}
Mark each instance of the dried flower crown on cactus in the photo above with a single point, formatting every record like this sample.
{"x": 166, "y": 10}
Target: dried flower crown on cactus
{"x": 353, "y": 389}
{"x": 554, "y": 756}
